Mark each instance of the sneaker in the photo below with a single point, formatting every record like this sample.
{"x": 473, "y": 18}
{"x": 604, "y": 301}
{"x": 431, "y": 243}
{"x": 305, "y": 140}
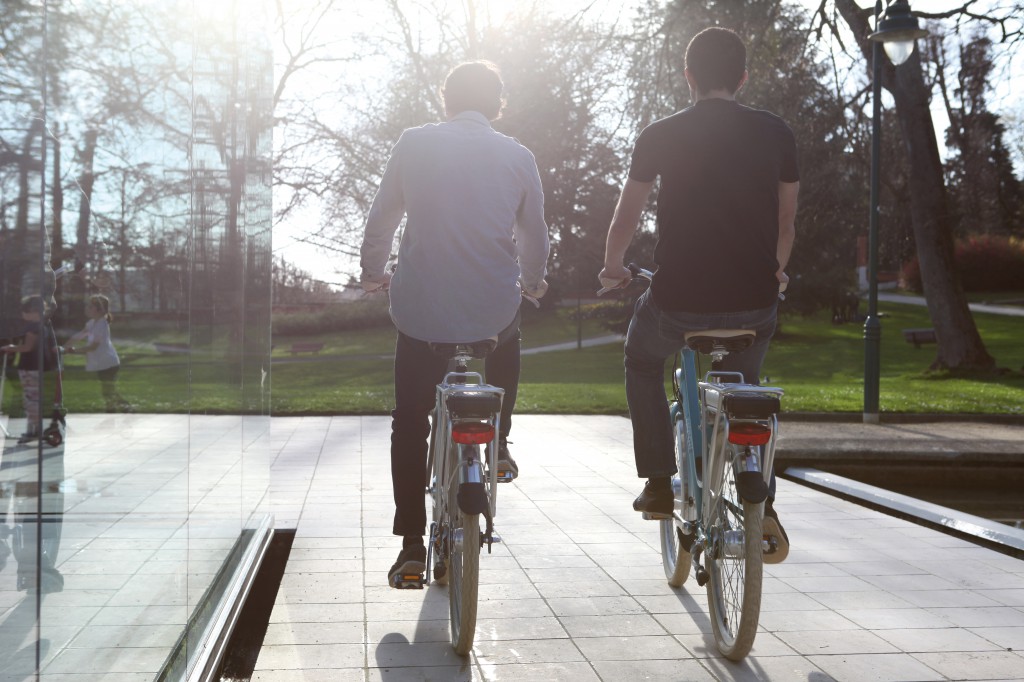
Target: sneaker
{"x": 657, "y": 498}
{"x": 408, "y": 569}
{"x": 507, "y": 467}
{"x": 775, "y": 534}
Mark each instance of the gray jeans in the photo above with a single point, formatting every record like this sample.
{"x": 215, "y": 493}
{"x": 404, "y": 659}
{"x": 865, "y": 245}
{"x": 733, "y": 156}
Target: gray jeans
{"x": 654, "y": 336}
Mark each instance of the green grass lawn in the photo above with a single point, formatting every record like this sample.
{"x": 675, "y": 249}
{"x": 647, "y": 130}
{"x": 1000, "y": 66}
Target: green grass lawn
{"x": 820, "y": 366}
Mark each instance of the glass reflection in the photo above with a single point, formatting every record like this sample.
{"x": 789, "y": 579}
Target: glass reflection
{"x": 135, "y": 255}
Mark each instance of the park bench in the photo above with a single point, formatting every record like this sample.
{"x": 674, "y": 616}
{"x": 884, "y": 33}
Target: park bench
{"x": 171, "y": 348}
{"x": 919, "y": 336}
{"x": 306, "y": 347}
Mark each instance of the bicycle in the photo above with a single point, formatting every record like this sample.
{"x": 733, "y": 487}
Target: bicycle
{"x": 462, "y": 483}
{"x": 725, "y": 434}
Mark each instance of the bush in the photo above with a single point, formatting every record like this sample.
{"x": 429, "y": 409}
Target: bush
{"x": 984, "y": 263}
{"x": 614, "y": 314}
{"x": 810, "y": 291}
{"x": 335, "y": 317}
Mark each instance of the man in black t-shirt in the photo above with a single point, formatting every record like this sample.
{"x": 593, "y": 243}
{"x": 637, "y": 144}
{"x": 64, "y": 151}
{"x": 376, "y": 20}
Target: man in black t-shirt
{"x": 726, "y": 211}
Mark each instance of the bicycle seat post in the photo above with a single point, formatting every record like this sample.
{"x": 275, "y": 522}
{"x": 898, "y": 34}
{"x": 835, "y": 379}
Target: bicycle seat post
{"x": 718, "y": 353}
{"x": 461, "y": 360}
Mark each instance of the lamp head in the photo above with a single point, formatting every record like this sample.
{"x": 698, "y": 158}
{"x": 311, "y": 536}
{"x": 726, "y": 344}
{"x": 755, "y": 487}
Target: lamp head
{"x": 897, "y": 31}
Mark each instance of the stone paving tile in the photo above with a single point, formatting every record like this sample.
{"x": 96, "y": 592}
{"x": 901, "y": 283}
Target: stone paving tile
{"x": 774, "y": 669}
{"x": 576, "y": 590}
{"x": 876, "y": 667}
{"x": 690, "y": 670}
{"x": 541, "y": 672}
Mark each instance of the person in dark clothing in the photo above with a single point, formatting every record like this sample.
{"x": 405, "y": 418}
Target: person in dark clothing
{"x": 726, "y": 213}
{"x": 37, "y": 351}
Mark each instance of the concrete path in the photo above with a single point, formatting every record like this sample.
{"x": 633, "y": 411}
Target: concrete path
{"x": 576, "y": 592}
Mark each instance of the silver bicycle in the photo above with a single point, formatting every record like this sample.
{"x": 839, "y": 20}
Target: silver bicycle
{"x": 462, "y": 477}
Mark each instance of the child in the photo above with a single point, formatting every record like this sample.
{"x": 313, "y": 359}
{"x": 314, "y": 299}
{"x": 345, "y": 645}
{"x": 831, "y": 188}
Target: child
{"x": 38, "y": 338}
{"x": 100, "y": 356}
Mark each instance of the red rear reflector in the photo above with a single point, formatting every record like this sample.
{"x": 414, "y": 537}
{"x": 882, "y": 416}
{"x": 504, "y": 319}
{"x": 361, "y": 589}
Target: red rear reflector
{"x": 749, "y": 434}
{"x": 472, "y": 433}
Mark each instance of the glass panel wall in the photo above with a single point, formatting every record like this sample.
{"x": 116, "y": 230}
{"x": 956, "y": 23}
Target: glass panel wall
{"x": 135, "y": 269}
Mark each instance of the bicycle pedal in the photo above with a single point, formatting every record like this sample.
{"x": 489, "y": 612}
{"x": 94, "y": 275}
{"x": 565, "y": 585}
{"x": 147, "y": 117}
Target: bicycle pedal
{"x": 407, "y": 581}
{"x": 655, "y": 516}
{"x": 505, "y": 477}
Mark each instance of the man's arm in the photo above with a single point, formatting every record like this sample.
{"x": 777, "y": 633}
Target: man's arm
{"x": 787, "y": 226}
{"x": 620, "y": 233}
{"x": 531, "y": 234}
{"x": 381, "y": 223}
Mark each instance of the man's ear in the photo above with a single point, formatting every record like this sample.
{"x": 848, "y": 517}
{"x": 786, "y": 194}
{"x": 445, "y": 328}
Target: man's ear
{"x": 743, "y": 81}
{"x": 692, "y": 83}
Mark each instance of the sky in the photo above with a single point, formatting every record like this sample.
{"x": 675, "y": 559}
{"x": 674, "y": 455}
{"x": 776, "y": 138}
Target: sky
{"x": 366, "y": 16}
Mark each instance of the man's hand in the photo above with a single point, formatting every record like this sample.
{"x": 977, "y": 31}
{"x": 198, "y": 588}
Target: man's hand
{"x": 783, "y": 280}
{"x": 373, "y": 285}
{"x": 614, "y": 276}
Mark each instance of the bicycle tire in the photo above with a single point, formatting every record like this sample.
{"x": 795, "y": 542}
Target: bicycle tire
{"x": 675, "y": 557}
{"x": 436, "y": 488}
{"x": 464, "y": 581}
{"x": 736, "y": 570}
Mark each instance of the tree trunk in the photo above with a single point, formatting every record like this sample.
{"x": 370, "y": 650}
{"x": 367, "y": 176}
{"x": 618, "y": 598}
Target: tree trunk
{"x": 57, "y": 219}
{"x": 76, "y": 287}
{"x": 959, "y": 344}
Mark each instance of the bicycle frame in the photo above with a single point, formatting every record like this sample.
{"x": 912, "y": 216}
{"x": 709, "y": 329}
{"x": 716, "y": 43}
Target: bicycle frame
{"x": 698, "y": 402}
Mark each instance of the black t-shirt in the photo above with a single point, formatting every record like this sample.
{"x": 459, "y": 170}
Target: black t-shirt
{"x": 720, "y": 165}
{"x": 46, "y": 341}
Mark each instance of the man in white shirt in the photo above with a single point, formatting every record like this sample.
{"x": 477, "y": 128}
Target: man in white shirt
{"x": 474, "y": 241}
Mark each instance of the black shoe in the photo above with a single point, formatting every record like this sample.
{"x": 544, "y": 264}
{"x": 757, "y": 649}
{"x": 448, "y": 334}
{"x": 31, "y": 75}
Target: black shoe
{"x": 407, "y": 573}
{"x": 657, "y": 498}
{"x": 775, "y": 534}
{"x": 507, "y": 468}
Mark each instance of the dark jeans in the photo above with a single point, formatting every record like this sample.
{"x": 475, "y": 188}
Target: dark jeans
{"x": 418, "y": 371}
{"x": 654, "y": 336}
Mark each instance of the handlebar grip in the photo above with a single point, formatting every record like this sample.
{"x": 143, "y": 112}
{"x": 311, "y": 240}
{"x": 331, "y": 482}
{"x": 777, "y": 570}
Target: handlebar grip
{"x": 640, "y": 272}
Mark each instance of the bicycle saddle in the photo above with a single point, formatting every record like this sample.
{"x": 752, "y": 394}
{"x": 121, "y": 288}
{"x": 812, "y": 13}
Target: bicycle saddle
{"x": 733, "y": 340}
{"x": 475, "y": 349}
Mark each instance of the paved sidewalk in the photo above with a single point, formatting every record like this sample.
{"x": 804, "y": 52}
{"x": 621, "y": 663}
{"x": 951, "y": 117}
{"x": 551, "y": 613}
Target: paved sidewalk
{"x": 576, "y": 591}
{"x": 1012, "y": 310}
{"x": 941, "y": 441}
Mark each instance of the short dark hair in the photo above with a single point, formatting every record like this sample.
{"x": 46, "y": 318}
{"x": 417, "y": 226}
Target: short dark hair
{"x": 473, "y": 86}
{"x": 716, "y": 59}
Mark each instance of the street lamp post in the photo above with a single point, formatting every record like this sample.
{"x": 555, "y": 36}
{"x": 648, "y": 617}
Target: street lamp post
{"x": 896, "y": 33}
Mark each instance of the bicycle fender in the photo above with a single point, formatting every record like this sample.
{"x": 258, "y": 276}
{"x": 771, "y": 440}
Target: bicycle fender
{"x": 472, "y": 498}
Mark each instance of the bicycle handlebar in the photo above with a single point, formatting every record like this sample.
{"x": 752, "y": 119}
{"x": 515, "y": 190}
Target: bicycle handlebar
{"x": 642, "y": 273}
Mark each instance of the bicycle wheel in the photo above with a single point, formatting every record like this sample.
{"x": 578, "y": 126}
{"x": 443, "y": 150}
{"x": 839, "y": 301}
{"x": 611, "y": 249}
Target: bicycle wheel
{"x": 675, "y": 552}
{"x": 464, "y": 580}
{"x": 735, "y": 567}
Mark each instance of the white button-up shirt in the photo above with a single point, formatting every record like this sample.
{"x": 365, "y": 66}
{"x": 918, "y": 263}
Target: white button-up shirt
{"x": 474, "y": 234}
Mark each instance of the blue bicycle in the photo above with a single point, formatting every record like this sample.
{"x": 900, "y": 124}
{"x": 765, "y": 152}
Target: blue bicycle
{"x": 725, "y": 433}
